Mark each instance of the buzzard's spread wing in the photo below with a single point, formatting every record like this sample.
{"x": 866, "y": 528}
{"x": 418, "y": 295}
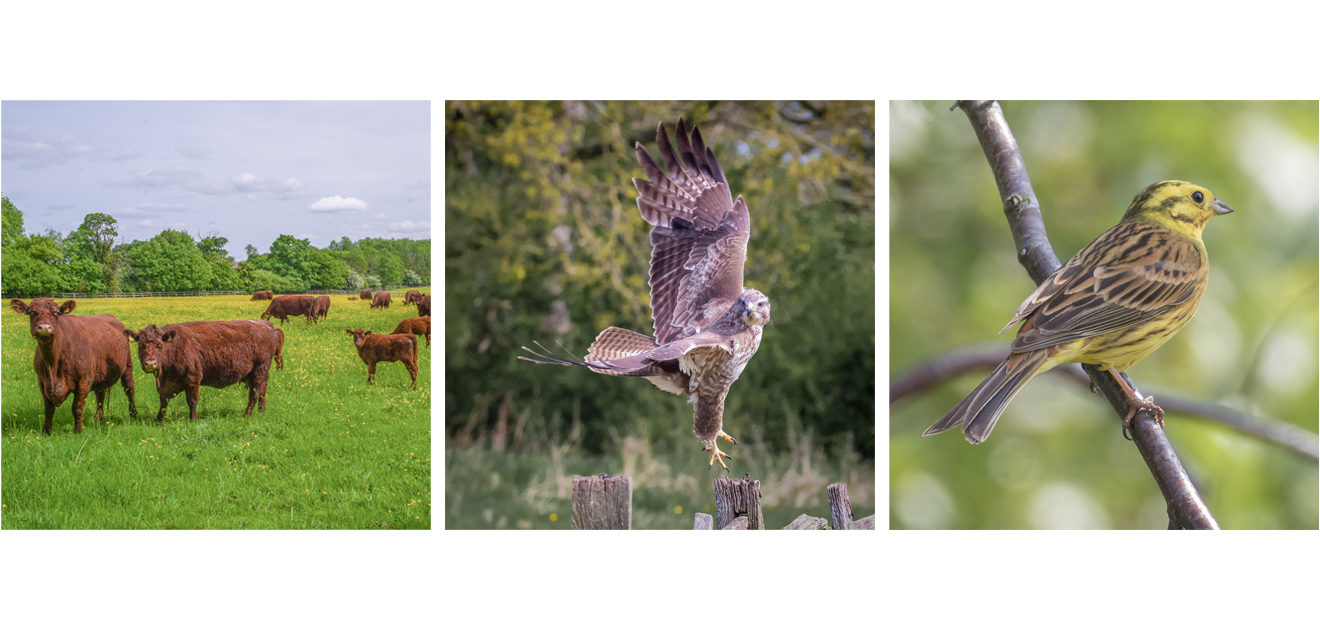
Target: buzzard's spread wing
{"x": 699, "y": 241}
{"x": 1127, "y": 286}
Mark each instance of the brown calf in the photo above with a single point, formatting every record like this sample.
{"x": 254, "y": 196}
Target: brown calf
{"x": 424, "y": 306}
{"x": 412, "y": 296}
{"x": 286, "y": 306}
{"x": 216, "y": 354}
{"x": 415, "y": 326}
{"x": 381, "y": 300}
{"x": 77, "y": 354}
{"x": 365, "y": 294}
{"x": 373, "y": 349}
{"x": 262, "y": 295}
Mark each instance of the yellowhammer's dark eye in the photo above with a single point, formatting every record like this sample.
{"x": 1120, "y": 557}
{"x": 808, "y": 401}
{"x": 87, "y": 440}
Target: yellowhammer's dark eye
{"x": 1198, "y": 197}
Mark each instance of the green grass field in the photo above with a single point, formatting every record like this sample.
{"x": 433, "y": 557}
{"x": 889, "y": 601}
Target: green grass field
{"x": 329, "y": 452}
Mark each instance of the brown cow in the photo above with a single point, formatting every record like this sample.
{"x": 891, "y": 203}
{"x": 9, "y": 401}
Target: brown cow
{"x": 352, "y": 297}
{"x": 262, "y": 295}
{"x": 412, "y": 296}
{"x": 381, "y": 300}
{"x": 373, "y": 349}
{"x": 216, "y": 354}
{"x": 77, "y": 354}
{"x": 286, "y": 306}
{"x": 424, "y": 306}
{"x": 415, "y": 326}
{"x": 320, "y": 307}
{"x": 365, "y": 294}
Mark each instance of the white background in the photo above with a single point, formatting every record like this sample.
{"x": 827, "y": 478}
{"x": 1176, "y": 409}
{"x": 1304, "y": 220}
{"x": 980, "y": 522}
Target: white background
{"x": 658, "y": 50}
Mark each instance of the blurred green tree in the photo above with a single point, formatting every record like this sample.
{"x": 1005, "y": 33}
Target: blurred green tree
{"x": 544, "y": 241}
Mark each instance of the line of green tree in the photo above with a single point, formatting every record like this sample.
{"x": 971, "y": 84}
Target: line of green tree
{"x": 91, "y": 259}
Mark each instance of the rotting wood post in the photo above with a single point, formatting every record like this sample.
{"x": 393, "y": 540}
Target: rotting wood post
{"x": 738, "y": 523}
{"x": 703, "y": 521}
{"x": 841, "y": 516}
{"x": 740, "y": 497}
{"x": 601, "y": 502}
{"x": 807, "y": 521}
{"x": 865, "y": 523}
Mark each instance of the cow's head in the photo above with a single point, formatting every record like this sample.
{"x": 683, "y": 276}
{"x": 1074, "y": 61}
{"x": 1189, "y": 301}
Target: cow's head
{"x": 151, "y": 344}
{"x": 42, "y": 314}
{"x": 359, "y": 336}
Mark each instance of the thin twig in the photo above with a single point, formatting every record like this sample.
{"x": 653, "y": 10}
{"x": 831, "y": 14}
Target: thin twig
{"x": 980, "y": 359}
{"x": 1036, "y": 255}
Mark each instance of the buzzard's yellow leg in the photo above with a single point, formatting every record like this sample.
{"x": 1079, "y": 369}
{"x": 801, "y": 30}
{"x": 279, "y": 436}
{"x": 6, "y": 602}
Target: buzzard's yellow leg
{"x": 716, "y": 455}
{"x": 726, "y": 436}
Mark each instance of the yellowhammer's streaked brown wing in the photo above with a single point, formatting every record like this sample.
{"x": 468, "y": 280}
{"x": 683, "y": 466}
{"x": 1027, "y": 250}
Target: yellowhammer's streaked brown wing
{"x": 1134, "y": 272}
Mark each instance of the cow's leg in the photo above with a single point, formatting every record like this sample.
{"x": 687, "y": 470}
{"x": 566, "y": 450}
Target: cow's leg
{"x": 371, "y": 372}
{"x": 79, "y": 400}
{"x": 164, "y": 400}
{"x": 127, "y": 381}
{"x": 100, "y": 403}
{"x": 411, "y": 364}
{"x": 428, "y": 340}
{"x": 50, "y": 416}
{"x": 251, "y": 382}
{"x": 193, "y": 393}
{"x": 263, "y": 375}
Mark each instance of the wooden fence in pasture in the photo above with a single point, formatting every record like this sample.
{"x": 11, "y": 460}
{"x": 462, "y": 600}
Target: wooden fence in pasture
{"x": 603, "y": 502}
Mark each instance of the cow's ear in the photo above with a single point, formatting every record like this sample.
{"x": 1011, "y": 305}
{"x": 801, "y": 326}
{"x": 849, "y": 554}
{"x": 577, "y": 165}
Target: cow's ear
{"x": 18, "y": 305}
{"x": 168, "y": 336}
{"x": 348, "y": 331}
{"x": 366, "y": 333}
{"x": 130, "y": 334}
{"x": 67, "y": 307}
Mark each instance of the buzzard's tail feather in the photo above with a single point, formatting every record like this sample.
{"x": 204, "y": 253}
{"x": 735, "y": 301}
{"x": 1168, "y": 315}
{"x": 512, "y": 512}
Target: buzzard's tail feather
{"x": 620, "y": 354}
{"x": 545, "y": 356}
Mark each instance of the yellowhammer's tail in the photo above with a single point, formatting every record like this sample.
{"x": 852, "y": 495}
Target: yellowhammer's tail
{"x": 980, "y": 410}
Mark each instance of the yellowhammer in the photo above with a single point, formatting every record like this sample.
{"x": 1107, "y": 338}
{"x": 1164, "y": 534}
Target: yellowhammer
{"x": 1112, "y": 304}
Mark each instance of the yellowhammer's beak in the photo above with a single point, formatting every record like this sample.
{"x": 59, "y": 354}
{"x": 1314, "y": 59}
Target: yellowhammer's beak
{"x": 1220, "y": 207}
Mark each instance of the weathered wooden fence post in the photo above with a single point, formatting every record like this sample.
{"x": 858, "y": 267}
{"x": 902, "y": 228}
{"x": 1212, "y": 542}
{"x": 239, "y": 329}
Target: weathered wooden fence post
{"x": 602, "y": 502}
{"x": 703, "y": 521}
{"x": 734, "y": 498}
{"x": 841, "y": 516}
{"x": 807, "y": 521}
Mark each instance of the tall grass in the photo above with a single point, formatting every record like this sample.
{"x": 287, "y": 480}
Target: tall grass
{"x": 330, "y": 451}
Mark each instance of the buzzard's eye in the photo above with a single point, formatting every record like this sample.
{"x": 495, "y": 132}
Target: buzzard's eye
{"x": 1198, "y": 197}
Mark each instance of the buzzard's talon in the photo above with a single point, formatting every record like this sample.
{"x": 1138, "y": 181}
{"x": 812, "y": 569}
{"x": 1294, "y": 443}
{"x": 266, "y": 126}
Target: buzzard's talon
{"x": 726, "y": 436}
{"x": 716, "y": 455}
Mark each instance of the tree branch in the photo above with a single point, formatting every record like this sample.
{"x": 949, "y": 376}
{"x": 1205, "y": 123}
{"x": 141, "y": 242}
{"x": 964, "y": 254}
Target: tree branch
{"x": 981, "y": 359}
{"x": 1186, "y": 510}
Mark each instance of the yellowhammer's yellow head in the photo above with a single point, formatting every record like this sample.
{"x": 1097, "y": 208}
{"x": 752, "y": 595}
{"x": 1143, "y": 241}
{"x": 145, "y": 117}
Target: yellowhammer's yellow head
{"x": 1180, "y": 206}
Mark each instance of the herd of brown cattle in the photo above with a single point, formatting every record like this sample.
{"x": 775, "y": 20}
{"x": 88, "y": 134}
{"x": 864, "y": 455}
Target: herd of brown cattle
{"x": 86, "y": 354}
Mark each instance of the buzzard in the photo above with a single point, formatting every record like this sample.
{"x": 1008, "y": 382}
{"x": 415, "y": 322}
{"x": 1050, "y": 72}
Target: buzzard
{"x": 707, "y": 324}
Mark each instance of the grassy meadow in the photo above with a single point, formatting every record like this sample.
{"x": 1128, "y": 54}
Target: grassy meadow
{"x": 329, "y": 452}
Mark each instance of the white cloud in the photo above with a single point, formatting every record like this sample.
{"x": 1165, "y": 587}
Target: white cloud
{"x": 337, "y": 203}
{"x": 248, "y": 183}
{"x": 410, "y": 227}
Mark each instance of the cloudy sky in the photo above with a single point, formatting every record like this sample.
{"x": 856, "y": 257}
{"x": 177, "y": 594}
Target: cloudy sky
{"x": 245, "y": 170}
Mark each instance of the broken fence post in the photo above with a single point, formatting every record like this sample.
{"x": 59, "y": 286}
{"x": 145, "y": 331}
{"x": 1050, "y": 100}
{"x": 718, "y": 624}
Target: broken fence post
{"x": 703, "y": 521}
{"x": 601, "y": 502}
{"x": 734, "y": 498}
{"x": 841, "y": 516}
{"x": 807, "y": 521}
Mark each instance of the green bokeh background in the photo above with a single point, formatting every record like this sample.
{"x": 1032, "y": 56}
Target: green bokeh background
{"x": 543, "y": 241}
{"x": 1057, "y": 458}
